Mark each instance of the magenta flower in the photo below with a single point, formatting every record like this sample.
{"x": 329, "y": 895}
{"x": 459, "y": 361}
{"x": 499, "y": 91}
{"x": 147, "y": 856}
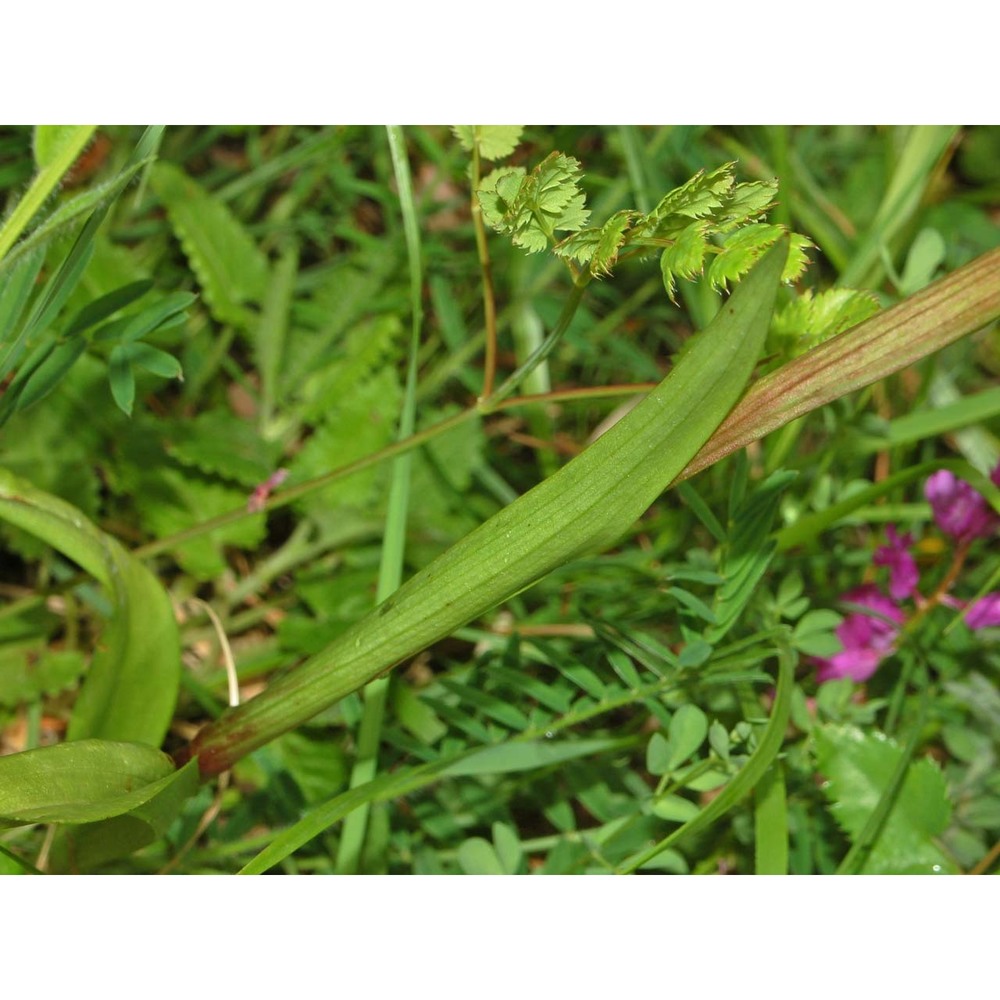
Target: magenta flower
{"x": 903, "y": 573}
{"x": 867, "y": 638}
{"x": 985, "y": 612}
{"x": 958, "y": 509}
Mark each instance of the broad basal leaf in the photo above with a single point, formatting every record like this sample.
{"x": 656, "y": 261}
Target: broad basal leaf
{"x": 132, "y": 683}
{"x": 587, "y": 505}
{"x": 79, "y": 782}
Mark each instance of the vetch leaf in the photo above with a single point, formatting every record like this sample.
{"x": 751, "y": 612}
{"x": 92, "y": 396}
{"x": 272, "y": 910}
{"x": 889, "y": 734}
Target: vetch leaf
{"x": 688, "y": 729}
{"x": 50, "y": 372}
{"x": 121, "y": 379}
{"x": 675, "y": 809}
{"x": 748, "y": 552}
{"x": 508, "y": 847}
{"x": 153, "y": 360}
{"x": 15, "y": 290}
{"x": 107, "y": 305}
{"x": 587, "y": 505}
{"x": 657, "y": 754}
{"x": 477, "y": 857}
{"x": 527, "y": 755}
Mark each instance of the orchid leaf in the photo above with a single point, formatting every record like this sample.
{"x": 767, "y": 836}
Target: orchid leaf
{"x": 586, "y": 506}
{"x": 131, "y": 686}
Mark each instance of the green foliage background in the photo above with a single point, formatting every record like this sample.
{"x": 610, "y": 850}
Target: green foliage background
{"x": 256, "y": 311}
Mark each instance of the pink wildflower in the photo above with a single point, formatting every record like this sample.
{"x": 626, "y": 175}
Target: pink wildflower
{"x": 903, "y": 573}
{"x": 867, "y": 638}
{"x": 261, "y": 492}
{"x": 958, "y": 509}
{"x": 985, "y": 612}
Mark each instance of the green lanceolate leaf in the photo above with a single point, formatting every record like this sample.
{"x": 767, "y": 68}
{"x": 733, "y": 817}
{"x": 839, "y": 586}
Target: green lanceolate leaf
{"x": 588, "y": 505}
{"x": 132, "y": 683}
{"x": 79, "y": 782}
{"x": 56, "y": 147}
{"x": 149, "y": 813}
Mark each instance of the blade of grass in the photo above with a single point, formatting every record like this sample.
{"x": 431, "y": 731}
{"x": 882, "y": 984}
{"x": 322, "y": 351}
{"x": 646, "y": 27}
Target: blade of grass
{"x": 923, "y": 148}
{"x": 771, "y": 823}
{"x": 71, "y": 270}
{"x": 393, "y": 544}
{"x": 60, "y": 154}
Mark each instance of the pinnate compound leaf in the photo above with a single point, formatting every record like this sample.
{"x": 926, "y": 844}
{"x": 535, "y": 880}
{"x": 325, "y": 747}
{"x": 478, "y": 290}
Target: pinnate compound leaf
{"x": 797, "y": 261}
{"x": 688, "y": 729}
{"x": 809, "y": 320}
{"x": 79, "y": 782}
{"x": 131, "y": 685}
{"x": 686, "y": 257}
{"x": 218, "y": 443}
{"x": 107, "y": 305}
{"x": 530, "y": 208}
{"x": 859, "y": 767}
{"x": 230, "y": 268}
{"x": 612, "y": 239}
{"x": 599, "y": 247}
{"x": 580, "y": 246}
{"x": 703, "y": 195}
{"x": 740, "y": 252}
{"x": 495, "y": 141}
{"x": 478, "y": 857}
{"x": 50, "y": 372}
{"x": 497, "y": 194}
{"x": 747, "y": 202}
{"x": 171, "y": 499}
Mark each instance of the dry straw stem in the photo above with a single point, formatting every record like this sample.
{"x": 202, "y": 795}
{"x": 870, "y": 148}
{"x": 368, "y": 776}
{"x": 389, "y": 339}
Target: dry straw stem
{"x": 964, "y": 301}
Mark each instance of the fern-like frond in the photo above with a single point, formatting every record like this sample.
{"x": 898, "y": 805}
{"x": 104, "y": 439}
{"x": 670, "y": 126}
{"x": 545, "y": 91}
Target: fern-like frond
{"x": 531, "y": 208}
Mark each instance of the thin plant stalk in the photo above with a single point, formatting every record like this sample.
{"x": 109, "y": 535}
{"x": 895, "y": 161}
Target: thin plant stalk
{"x": 394, "y": 543}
